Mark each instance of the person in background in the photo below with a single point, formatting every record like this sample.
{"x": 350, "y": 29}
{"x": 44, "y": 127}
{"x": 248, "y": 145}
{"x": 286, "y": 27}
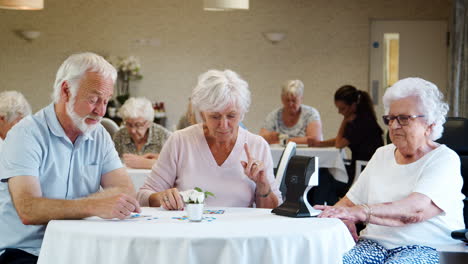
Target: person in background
{"x": 294, "y": 121}
{"x": 59, "y": 158}
{"x": 13, "y": 107}
{"x": 409, "y": 194}
{"x": 216, "y": 155}
{"x": 359, "y": 129}
{"x": 188, "y": 118}
{"x": 141, "y": 140}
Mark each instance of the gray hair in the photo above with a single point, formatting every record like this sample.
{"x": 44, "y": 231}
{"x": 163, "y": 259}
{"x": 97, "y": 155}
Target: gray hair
{"x": 137, "y": 107}
{"x": 430, "y": 98}
{"x": 292, "y": 87}
{"x": 76, "y": 66}
{"x": 13, "y": 105}
{"x": 216, "y": 90}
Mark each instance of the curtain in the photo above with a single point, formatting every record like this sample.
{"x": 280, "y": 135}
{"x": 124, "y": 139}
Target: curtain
{"x": 458, "y": 81}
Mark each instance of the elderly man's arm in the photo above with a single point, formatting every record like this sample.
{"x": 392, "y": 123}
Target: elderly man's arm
{"x": 115, "y": 182}
{"x": 33, "y": 209}
{"x": 415, "y": 208}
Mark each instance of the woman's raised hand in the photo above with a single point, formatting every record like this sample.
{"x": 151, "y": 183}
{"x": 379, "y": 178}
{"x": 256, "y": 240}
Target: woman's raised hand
{"x": 254, "y": 169}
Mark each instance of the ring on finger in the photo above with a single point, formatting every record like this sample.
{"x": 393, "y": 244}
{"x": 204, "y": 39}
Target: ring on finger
{"x": 255, "y": 163}
{"x": 166, "y": 198}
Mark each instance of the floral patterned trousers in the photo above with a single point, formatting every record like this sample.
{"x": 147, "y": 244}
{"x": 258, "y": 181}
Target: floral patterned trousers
{"x": 370, "y": 252}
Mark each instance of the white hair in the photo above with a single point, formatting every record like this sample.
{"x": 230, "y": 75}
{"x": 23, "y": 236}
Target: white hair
{"x": 293, "y": 87}
{"x": 216, "y": 90}
{"x": 431, "y": 101}
{"x": 137, "y": 107}
{"x": 13, "y": 105}
{"x": 76, "y": 66}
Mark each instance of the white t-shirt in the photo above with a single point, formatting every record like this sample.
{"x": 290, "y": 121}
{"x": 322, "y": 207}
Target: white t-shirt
{"x": 1, "y": 144}
{"x": 436, "y": 175}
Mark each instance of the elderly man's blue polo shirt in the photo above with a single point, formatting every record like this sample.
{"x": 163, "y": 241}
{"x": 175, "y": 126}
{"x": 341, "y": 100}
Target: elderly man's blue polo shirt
{"x": 37, "y": 146}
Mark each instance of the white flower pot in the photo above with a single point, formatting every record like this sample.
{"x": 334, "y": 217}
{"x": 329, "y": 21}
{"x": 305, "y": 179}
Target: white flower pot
{"x": 194, "y": 212}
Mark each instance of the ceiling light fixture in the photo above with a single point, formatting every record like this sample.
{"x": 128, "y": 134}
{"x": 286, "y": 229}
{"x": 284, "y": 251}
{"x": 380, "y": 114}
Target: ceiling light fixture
{"x": 22, "y": 4}
{"x": 225, "y": 5}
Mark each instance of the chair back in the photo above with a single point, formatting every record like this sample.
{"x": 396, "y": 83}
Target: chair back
{"x": 360, "y": 165}
{"x": 455, "y": 136}
{"x": 109, "y": 125}
{"x": 286, "y": 156}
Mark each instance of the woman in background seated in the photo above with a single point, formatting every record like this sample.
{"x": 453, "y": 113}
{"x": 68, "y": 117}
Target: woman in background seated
{"x": 293, "y": 121}
{"x": 13, "y": 107}
{"x": 359, "y": 129}
{"x": 139, "y": 143}
{"x": 409, "y": 194}
{"x": 187, "y": 119}
{"x": 216, "y": 155}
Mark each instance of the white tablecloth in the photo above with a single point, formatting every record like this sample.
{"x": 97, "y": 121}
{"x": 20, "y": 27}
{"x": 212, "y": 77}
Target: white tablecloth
{"x": 138, "y": 177}
{"x": 331, "y": 158}
{"x": 240, "y": 235}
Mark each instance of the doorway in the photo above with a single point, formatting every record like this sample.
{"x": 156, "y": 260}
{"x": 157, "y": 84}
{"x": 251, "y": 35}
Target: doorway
{"x": 406, "y": 48}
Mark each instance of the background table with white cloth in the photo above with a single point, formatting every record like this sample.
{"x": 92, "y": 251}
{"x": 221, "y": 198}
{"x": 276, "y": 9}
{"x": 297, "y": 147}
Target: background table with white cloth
{"x": 331, "y": 158}
{"x": 240, "y": 235}
{"x": 138, "y": 177}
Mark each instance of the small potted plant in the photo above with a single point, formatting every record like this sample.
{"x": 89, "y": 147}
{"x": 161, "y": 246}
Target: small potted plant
{"x": 194, "y": 200}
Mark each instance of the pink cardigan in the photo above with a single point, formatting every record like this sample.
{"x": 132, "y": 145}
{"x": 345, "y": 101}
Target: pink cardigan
{"x": 186, "y": 162}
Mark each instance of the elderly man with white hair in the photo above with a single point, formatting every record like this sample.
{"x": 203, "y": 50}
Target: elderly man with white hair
{"x": 216, "y": 155}
{"x": 294, "y": 121}
{"x": 13, "y": 107}
{"x": 409, "y": 194}
{"x": 58, "y": 159}
{"x": 141, "y": 140}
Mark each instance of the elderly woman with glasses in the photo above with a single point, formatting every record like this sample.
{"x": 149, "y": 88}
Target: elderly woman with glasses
{"x": 216, "y": 155}
{"x": 141, "y": 140}
{"x": 409, "y": 194}
{"x": 294, "y": 121}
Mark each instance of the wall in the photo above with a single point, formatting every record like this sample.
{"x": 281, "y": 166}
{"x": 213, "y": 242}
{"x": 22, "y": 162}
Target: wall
{"x": 326, "y": 46}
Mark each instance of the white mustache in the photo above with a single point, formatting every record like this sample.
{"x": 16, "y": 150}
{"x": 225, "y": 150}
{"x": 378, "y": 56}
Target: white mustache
{"x": 97, "y": 118}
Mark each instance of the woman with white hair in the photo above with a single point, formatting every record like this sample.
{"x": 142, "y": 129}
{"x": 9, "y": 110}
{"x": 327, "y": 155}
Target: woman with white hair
{"x": 215, "y": 155}
{"x": 409, "y": 194}
{"x": 140, "y": 142}
{"x": 13, "y": 107}
{"x": 294, "y": 121}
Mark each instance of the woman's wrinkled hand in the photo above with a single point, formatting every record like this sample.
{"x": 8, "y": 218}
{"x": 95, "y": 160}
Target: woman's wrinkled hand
{"x": 352, "y": 229}
{"x": 170, "y": 199}
{"x": 154, "y": 156}
{"x": 354, "y": 214}
{"x": 138, "y": 162}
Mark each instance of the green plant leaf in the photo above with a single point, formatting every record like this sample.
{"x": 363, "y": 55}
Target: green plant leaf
{"x": 209, "y": 194}
{"x": 198, "y": 189}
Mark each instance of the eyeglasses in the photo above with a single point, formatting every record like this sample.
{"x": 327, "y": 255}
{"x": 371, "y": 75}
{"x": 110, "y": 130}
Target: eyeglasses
{"x": 137, "y": 125}
{"x": 403, "y": 120}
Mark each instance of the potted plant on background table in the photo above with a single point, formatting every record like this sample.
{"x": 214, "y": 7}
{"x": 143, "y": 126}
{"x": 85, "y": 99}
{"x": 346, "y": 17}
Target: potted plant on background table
{"x": 194, "y": 202}
{"x": 128, "y": 69}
